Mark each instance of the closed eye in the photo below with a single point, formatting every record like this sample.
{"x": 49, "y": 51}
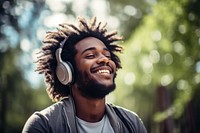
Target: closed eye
{"x": 90, "y": 56}
{"x": 108, "y": 56}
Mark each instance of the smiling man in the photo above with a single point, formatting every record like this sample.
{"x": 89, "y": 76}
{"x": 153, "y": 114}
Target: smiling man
{"x": 80, "y": 64}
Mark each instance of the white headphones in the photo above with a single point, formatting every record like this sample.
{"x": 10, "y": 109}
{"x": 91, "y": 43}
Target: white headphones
{"x": 64, "y": 70}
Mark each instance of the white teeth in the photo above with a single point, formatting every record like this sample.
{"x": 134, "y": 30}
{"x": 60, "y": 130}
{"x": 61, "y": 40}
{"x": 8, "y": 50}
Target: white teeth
{"x": 103, "y": 71}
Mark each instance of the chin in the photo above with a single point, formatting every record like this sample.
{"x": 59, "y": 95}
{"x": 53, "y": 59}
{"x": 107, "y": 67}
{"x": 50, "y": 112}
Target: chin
{"x": 95, "y": 90}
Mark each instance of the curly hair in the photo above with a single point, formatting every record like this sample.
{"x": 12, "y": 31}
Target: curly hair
{"x": 46, "y": 62}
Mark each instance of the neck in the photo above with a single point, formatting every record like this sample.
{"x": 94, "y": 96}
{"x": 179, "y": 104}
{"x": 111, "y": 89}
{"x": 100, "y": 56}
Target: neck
{"x": 87, "y": 109}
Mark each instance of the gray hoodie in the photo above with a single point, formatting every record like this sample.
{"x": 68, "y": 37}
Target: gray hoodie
{"x": 60, "y": 118}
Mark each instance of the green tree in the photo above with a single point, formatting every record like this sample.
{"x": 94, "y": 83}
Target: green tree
{"x": 129, "y": 13}
{"x": 162, "y": 68}
{"x": 17, "y": 98}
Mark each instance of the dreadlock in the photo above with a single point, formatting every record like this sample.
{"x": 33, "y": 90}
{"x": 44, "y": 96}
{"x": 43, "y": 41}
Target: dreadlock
{"x": 46, "y": 62}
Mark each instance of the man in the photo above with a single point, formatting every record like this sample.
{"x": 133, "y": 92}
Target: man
{"x": 80, "y": 64}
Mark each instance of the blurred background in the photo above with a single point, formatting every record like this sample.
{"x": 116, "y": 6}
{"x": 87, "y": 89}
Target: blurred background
{"x": 160, "y": 79}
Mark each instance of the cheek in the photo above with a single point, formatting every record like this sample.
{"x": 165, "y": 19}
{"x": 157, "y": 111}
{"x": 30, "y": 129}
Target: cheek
{"x": 84, "y": 66}
{"x": 112, "y": 63}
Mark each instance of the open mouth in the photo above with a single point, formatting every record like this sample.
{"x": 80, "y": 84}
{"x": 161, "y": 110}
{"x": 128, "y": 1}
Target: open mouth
{"x": 102, "y": 70}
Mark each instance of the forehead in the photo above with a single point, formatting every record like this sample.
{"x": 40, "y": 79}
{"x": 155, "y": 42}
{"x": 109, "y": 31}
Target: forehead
{"x": 89, "y": 42}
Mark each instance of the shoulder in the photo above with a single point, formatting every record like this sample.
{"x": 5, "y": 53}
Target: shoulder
{"x": 52, "y": 110}
{"x": 36, "y": 122}
{"x": 129, "y": 118}
{"x": 124, "y": 112}
{"x": 45, "y": 119}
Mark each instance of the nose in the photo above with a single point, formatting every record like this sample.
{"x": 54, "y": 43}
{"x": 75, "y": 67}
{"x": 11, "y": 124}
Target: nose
{"x": 103, "y": 59}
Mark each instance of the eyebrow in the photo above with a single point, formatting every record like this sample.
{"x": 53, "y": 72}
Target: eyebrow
{"x": 93, "y": 48}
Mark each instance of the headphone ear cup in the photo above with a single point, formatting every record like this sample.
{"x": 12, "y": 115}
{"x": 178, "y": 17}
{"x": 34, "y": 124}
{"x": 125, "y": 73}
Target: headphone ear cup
{"x": 64, "y": 70}
{"x": 64, "y": 73}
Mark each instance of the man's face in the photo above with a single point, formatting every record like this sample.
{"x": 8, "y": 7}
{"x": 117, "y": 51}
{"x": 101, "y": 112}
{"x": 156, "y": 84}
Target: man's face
{"x": 95, "y": 69}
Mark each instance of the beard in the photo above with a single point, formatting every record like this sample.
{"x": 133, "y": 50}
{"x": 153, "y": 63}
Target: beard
{"x": 91, "y": 88}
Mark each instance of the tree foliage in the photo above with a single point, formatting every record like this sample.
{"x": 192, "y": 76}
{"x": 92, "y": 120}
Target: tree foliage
{"x": 163, "y": 64}
{"x": 17, "y": 98}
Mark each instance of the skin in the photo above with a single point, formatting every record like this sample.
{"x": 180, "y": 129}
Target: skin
{"x": 92, "y": 56}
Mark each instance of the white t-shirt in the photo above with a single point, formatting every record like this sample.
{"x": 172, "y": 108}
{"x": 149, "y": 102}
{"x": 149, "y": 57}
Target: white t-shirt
{"x": 102, "y": 126}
